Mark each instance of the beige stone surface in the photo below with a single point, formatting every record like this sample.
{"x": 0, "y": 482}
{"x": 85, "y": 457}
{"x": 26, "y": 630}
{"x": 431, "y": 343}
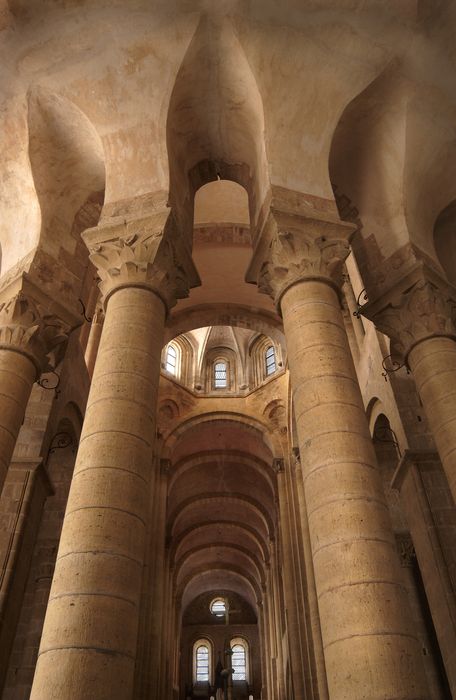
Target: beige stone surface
{"x": 219, "y": 161}
{"x": 92, "y": 616}
{"x": 363, "y": 608}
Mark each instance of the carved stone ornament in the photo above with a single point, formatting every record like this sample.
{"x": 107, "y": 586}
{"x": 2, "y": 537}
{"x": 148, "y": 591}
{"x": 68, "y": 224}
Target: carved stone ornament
{"x": 425, "y": 309}
{"x": 278, "y": 464}
{"x": 405, "y": 549}
{"x": 303, "y": 249}
{"x": 153, "y": 259}
{"x": 27, "y": 328}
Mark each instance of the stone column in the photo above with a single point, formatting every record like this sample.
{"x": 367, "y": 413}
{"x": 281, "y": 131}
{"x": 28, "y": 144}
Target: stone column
{"x": 28, "y": 335}
{"x": 369, "y": 646}
{"x": 88, "y": 646}
{"x": 419, "y": 316}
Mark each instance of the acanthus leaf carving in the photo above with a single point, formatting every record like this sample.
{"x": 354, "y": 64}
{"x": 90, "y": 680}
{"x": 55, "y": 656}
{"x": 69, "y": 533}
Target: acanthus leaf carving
{"x": 148, "y": 258}
{"x": 25, "y": 326}
{"x": 294, "y": 256}
{"x": 425, "y": 309}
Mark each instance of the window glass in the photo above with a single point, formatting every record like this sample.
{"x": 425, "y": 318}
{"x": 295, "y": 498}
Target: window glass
{"x": 220, "y": 375}
{"x": 238, "y": 662}
{"x": 171, "y": 359}
{"x": 270, "y": 358}
{"x": 218, "y": 607}
{"x": 202, "y": 663}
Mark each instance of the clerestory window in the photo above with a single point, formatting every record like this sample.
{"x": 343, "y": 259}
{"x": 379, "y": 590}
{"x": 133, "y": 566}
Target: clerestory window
{"x": 201, "y": 661}
{"x": 220, "y": 375}
{"x": 270, "y": 359}
{"x": 171, "y": 360}
{"x": 239, "y": 659}
{"x": 218, "y": 607}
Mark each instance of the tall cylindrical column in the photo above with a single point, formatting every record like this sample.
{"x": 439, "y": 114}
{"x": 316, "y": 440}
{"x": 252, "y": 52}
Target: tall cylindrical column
{"x": 433, "y": 364}
{"x": 28, "y": 334}
{"x": 369, "y": 645}
{"x": 88, "y": 645}
{"x": 17, "y": 375}
{"x": 418, "y": 314}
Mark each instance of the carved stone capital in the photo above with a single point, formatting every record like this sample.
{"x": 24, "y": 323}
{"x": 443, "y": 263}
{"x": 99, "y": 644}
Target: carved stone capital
{"x": 27, "y": 327}
{"x": 146, "y": 252}
{"x": 421, "y": 306}
{"x": 294, "y": 248}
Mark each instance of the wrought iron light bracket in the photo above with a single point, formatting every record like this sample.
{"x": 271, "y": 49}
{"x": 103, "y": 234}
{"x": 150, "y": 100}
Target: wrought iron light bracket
{"x": 50, "y": 384}
{"x": 395, "y": 367}
{"x": 60, "y": 441}
{"x": 384, "y": 433}
{"x": 362, "y": 295}
{"x": 89, "y": 319}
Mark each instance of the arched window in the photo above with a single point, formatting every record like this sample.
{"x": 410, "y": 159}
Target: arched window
{"x": 218, "y": 607}
{"x": 220, "y": 374}
{"x": 270, "y": 359}
{"x": 202, "y": 661}
{"x": 239, "y": 659}
{"x": 171, "y": 360}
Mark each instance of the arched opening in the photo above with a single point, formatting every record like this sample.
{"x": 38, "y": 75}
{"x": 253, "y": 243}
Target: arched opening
{"x": 202, "y": 662}
{"x": 171, "y": 360}
{"x": 221, "y": 491}
{"x": 240, "y": 659}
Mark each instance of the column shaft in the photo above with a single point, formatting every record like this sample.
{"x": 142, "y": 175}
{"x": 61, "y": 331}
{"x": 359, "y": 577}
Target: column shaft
{"x": 17, "y": 375}
{"x": 370, "y": 649}
{"x": 88, "y": 645}
{"x": 433, "y": 364}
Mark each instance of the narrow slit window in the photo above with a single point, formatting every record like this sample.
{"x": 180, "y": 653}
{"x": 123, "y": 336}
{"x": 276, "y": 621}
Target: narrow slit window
{"x": 220, "y": 375}
{"x": 270, "y": 357}
{"x": 171, "y": 360}
{"x": 202, "y": 663}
